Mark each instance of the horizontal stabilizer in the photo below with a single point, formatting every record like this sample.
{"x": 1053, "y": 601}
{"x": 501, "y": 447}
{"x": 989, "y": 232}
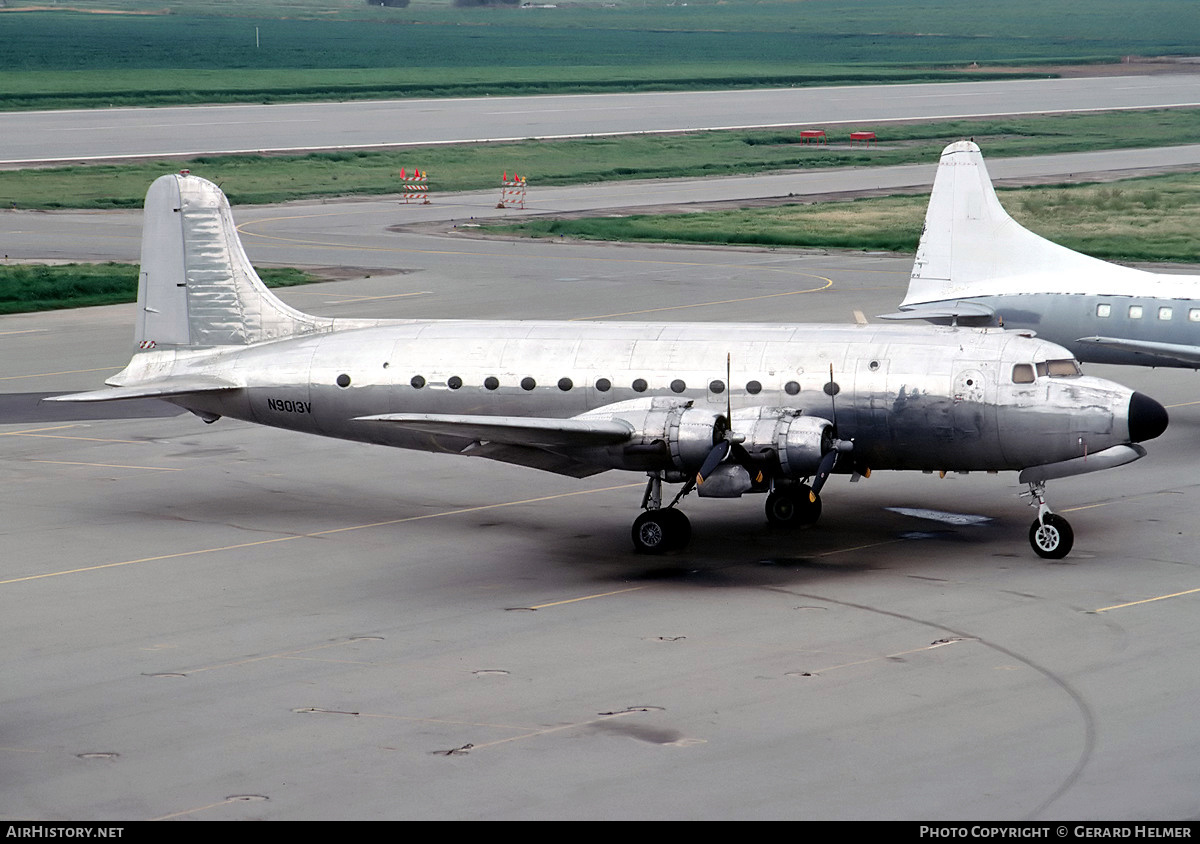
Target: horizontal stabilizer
{"x": 1109, "y": 458}
{"x": 165, "y": 389}
{"x": 514, "y": 430}
{"x": 1175, "y": 351}
{"x": 949, "y": 311}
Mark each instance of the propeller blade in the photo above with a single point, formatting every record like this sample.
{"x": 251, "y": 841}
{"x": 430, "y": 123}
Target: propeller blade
{"x": 824, "y": 470}
{"x": 729, "y": 387}
{"x": 831, "y": 388}
{"x": 718, "y": 453}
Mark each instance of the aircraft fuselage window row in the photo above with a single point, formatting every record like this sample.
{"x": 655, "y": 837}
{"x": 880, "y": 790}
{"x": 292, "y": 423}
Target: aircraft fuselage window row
{"x": 1104, "y": 310}
{"x": 603, "y": 385}
{"x": 1027, "y": 373}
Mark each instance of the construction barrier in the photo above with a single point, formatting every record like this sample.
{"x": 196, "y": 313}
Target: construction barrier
{"x": 415, "y": 186}
{"x": 867, "y": 138}
{"x": 416, "y": 193}
{"x": 512, "y": 191}
{"x": 815, "y": 135}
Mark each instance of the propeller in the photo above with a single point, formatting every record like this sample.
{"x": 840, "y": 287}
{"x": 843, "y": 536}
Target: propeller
{"x": 725, "y": 440}
{"x": 830, "y": 458}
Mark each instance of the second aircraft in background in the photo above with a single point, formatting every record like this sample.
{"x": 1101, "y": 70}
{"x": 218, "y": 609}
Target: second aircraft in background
{"x": 976, "y": 265}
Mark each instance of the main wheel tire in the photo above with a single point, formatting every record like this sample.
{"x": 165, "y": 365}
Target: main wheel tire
{"x": 1051, "y": 537}
{"x": 659, "y": 531}
{"x": 793, "y": 507}
{"x": 679, "y": 528}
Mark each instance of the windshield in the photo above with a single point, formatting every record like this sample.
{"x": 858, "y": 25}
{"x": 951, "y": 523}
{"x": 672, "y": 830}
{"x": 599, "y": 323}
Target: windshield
{"x": 1024, "y": 373}
{"x": 1064, "y": 368}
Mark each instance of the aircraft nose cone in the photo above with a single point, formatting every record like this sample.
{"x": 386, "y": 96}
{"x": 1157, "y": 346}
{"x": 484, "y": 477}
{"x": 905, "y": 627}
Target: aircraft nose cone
{"x": 1147, "y": 418}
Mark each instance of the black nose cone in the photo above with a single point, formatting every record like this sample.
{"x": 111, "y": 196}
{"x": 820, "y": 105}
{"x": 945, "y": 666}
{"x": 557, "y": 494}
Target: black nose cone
{"x": 1147, "y": 418}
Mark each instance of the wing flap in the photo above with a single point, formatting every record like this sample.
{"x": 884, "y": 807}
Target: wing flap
{"x": 535, "y": 432}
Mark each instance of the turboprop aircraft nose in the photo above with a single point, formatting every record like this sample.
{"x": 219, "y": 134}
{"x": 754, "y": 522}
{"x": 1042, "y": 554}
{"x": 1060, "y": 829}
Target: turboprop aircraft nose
{"x": 1147, "y": 418}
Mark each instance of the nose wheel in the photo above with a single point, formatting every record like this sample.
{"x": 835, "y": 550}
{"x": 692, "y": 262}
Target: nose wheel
{"x": 1051, "y": 537}
{"x": 1050, "y": 534}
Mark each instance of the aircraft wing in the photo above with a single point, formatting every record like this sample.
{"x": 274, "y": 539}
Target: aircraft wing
{"x": 165, "y": 389}
{"x": 1175, "y": 351}
{"x": 535, "y": 432}
{"x": 549, "y": 444}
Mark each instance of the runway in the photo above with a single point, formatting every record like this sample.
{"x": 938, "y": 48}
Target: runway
{"x": 82, "y": 135}
{"x": 219, "y": 622}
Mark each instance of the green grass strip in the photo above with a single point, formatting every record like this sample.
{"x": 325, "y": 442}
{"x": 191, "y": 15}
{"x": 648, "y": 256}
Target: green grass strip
{"x": 45, "y": 287}
{"x": 271, "y": 179}
{"x": 1146, "y": 219}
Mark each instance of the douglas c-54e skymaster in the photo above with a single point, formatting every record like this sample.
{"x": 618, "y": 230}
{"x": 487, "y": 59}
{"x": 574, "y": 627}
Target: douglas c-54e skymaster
{"x": 721, "y": 409}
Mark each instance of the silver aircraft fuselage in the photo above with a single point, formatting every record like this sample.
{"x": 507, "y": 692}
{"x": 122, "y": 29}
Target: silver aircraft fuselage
{"x": 909, "y": 398}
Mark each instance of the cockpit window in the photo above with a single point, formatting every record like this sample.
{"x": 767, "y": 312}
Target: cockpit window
{"x": 1023, "y": 373}
{"x": 1065, "y": 368}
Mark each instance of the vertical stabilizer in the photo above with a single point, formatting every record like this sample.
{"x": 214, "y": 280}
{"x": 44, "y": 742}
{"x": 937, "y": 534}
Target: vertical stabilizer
{"x": 969, "y": 239}
{"x": 197, "y": 287}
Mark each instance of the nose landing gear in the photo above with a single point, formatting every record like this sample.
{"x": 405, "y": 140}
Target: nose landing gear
{"x": 1050, "y": 534}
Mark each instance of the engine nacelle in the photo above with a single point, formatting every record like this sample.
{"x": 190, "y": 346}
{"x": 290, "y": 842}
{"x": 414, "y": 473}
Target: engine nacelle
{"x": 675, "y": 436}
{"x": 669, "y": 434}
{"x": 795, "y": 442}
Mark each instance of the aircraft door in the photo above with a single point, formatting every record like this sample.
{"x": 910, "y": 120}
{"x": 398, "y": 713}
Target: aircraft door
{"x": 973, "y": 397}
{"x": 873, "y": 403}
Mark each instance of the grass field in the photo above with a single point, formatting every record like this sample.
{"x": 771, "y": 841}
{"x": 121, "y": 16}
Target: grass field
{"x": 258, "y": 180}
{"x": 38, "y": 287}
{"x": 1149, "y": 219}
{"x": 258, "y": 51}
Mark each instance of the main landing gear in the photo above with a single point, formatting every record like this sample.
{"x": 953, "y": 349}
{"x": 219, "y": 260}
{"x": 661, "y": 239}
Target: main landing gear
{"x": 793, "y": 506}
{"x": 660, "y": 529}
{"x": 1050, "y": 534}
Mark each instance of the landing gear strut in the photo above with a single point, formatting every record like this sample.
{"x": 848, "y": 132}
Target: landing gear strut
{"x": 1050, "y": 534}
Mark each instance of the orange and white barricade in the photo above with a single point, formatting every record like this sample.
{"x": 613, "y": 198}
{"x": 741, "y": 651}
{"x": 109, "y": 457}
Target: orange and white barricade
{"x": 512, "y": 191}
{"x": 415, "y": 186}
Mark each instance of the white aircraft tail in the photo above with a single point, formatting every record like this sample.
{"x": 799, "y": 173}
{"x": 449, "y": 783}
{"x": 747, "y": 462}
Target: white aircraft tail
{"x": 971, "y": 246}
{"x": 197, "y": 288}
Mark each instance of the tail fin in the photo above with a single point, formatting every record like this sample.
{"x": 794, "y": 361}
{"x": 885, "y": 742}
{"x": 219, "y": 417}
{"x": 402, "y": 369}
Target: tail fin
{"x": 197, "y": 287}
{"x": 969, "y": 238}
